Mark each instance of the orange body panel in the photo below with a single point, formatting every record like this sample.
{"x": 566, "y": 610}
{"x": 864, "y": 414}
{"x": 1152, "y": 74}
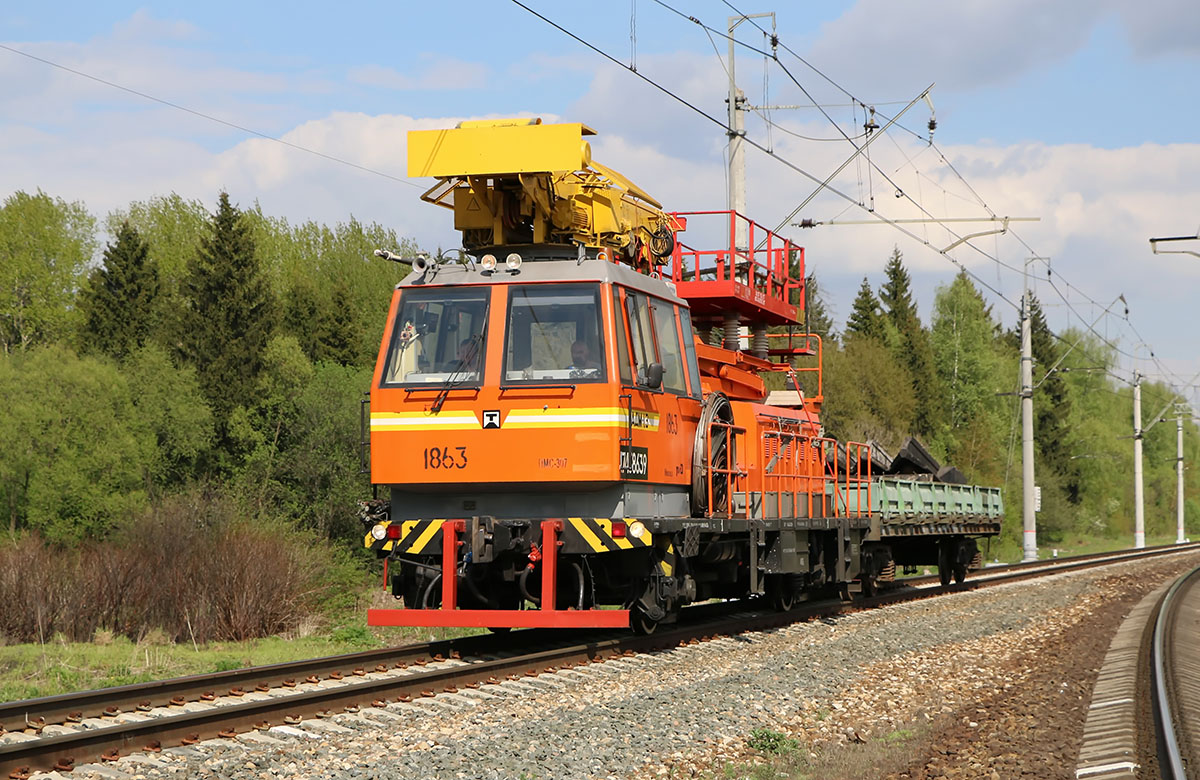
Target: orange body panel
{"x": 550, "y": 434}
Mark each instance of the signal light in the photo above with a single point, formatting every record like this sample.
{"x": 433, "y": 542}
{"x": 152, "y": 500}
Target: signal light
{"x": 393, "y": 531}
{"x": 513, "y": 262}
{"x": 488, "y": 262}
{"x": 618, "y": 529}
{"x": 378, "y": 531}
{"x": 636, "y": 529}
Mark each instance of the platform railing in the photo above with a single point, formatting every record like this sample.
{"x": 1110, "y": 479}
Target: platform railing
{"x": 795, "y": 464}
{"x": 763, "y": 263}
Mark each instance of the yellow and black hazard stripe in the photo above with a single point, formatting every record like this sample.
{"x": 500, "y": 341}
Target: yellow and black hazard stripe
{"x": 416, "y": 537}
{"x": 666, "y": 564}
{"x": 596, "y": 535}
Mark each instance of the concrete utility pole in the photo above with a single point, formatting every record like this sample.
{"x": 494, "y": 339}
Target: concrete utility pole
{"x": 1028, "y": 491}
{"x": 736, "y": 132}
{"x": 1139, "y": 508}
{"x": 1179, "y": 474}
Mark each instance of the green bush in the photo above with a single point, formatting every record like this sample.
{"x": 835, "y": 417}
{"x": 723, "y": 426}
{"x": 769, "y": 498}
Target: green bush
{"x": 771, "y": 742}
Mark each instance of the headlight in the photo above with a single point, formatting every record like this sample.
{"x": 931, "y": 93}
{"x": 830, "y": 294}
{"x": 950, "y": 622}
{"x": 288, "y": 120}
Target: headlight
{"x": 488, "y": 262}
{"x": 513, "y": 262}
{"x": 636, "y": 529}
{"x": 379, "y": 531}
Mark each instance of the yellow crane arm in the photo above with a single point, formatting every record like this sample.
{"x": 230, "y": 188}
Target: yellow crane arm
{"x": 518, "y": 181}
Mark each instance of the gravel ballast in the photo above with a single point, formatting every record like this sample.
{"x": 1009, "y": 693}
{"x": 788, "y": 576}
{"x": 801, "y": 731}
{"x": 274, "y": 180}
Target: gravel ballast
{"x": 965, "y": 685}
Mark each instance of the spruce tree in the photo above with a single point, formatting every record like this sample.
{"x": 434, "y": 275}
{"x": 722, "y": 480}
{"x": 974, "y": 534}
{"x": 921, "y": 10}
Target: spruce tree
{"x": 865, "y": 315}
{"x": 896, "y": 293}
{"x": 228, "y": 313}
{"x": 118, "y": 302}
{"x": 339, "y": 337}
{"x": 913, "y": 348}
{"x": 817, "y": 310}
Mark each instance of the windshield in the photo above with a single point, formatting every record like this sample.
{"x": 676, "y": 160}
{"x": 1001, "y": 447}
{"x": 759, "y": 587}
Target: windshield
{"x": 554, "y": 335}
{"x": 438, "y": 336}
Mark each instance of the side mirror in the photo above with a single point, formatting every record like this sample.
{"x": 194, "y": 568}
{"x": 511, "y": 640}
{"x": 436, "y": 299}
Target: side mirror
{"x": 654, "y": 376}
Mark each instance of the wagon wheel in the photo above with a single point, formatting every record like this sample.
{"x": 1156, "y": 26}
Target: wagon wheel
{"x": 781, "y": 592}
{"x": 946, "y": 561}
{"x": 641, "y": 623}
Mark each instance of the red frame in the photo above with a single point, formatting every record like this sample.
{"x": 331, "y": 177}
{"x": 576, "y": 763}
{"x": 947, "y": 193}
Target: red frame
{"x": 546, "y": 617}
{"x": 761, "y": 296}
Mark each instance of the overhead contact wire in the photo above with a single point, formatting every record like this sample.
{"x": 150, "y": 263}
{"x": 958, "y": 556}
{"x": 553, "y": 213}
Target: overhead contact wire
{"x": 209, "y": 117}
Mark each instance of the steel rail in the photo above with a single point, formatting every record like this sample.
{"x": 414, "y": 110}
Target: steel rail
{"x": 17, "y": 715}
{"x": 227, "y": 720}
{"x": 1113, "y": 556}
{"x": 1171, "y": 762}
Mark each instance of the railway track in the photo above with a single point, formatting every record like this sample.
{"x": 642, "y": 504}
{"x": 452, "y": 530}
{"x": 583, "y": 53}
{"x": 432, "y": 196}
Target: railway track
{"x": 61, "y": 732}
{"x": 1145, "y": 709}
{"x": 1175, "y": 670}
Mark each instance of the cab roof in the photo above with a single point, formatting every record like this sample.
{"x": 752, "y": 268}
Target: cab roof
{"x": 591, "y": 269}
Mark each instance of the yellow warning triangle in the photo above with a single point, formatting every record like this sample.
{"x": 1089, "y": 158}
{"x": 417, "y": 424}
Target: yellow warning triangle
{"x": 474, "y": 204}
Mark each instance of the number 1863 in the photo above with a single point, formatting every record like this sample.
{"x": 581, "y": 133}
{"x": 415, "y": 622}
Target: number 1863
{"x": 445, "y": 457}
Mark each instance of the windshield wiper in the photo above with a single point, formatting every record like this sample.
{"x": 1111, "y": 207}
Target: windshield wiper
{"x": 454, "y": 380}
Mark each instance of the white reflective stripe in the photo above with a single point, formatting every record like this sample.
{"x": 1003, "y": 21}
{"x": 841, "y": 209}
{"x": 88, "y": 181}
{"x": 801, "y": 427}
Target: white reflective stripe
{"x": 560, "y": 418}
{"x": 1121, "y": 766}
{"x": 431, "y": 420}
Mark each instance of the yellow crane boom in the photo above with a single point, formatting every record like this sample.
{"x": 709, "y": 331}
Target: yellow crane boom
{"x": 518, "y": 181}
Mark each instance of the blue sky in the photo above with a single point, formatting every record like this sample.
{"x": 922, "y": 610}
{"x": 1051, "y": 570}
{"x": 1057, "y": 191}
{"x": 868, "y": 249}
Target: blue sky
{"x": 1080, "y": 112}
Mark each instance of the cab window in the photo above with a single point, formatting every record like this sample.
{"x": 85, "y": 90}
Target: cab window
{"x": 689, "y": 351}
{"x": 553, "y": 335}
{"x": 641, "y": 333}
{"x": 670, "y": 353}
{"x": 622, "y": 339}
{"x": 438, "y": 334}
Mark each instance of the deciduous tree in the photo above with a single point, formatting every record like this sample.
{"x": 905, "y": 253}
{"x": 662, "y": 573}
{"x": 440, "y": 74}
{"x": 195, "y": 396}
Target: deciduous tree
{"x": 45, "y": 246}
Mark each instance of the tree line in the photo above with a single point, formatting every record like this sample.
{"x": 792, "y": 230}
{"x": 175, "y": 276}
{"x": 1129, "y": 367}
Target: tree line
{"x": 954, "y": 384}
{"x": 228, "y": 351}
{"x": 224, "y": 350}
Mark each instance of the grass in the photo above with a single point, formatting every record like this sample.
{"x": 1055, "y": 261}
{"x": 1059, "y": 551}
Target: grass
{"x": 33, "y": 670}
{"x": 780, "y": 756}
{"x": 1010, "y": 552}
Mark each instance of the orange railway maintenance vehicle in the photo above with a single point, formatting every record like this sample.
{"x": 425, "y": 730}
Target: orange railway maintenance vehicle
{"x": 560, "y": 447}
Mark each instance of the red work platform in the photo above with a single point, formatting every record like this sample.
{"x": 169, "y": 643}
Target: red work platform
{"x": 546, "y": 617}
{"x": 753, "y": 280}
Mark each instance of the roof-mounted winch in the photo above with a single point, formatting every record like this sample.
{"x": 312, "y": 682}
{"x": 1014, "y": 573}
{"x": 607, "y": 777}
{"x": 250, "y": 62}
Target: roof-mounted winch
{"x": 518, "y": 181}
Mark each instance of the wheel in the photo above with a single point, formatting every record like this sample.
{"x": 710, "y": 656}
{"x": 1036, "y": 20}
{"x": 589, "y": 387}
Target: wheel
{"x": 781, "y": 592}
{"x": 641, "y": 623}
{"x": 844, "y": 591}
{"x": 945, "y": 562}
{"x": 870, "y": 585}
{"x": 960, "y": 572}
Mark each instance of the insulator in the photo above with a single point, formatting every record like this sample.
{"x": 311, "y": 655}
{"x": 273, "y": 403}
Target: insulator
{"x": 732, "y": 333}
{"x": 759, "y": 347}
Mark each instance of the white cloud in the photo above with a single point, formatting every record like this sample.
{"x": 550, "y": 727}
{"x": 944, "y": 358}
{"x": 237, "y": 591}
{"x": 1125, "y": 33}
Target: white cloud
{"x": 885, "y": 47}
{"x": 1161, "y": 27}
{"x": 1098, "y": 206}
{"x": 440, "y": 73}
{"x": 142, "y": 26}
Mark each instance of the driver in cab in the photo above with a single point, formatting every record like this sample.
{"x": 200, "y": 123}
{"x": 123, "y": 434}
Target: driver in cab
{"x": 581, "y": 358}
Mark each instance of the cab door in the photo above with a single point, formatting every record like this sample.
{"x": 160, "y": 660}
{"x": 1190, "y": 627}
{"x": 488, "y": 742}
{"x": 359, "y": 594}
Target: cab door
{"x": 656, "y": 445}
